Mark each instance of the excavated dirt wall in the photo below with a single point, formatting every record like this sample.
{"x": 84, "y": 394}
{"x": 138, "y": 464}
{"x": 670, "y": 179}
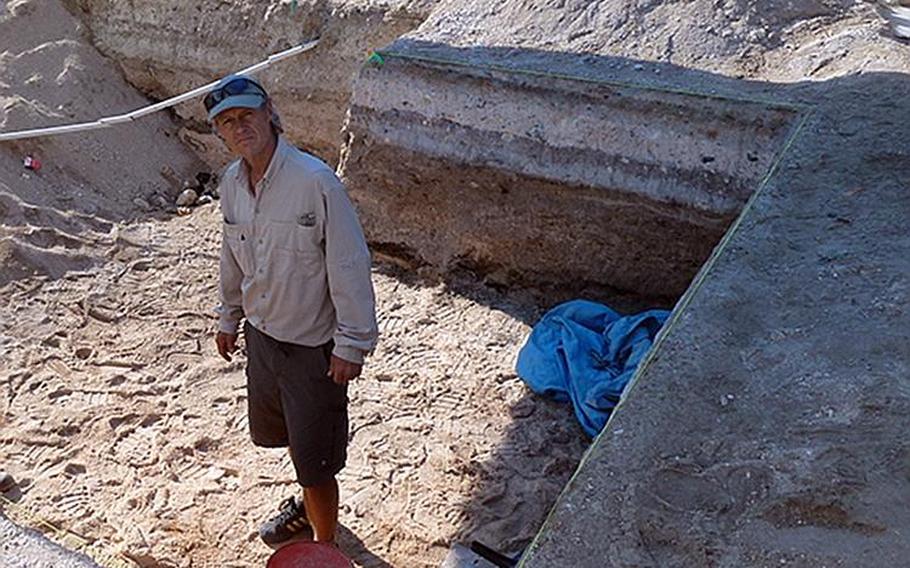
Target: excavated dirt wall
{"x": 545, "y": 180}
{"x": 166, "y": 47}
{"x": 530, "y": 181}
{"x": 583, "y": 189}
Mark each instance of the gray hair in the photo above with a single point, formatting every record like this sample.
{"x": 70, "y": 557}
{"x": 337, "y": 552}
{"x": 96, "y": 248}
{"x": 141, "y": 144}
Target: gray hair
{"x": 275, "y": 119}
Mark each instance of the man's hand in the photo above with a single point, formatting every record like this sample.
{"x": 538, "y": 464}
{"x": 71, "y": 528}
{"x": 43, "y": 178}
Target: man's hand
{"x": 227, "y": 344}
{"x": 343, "y": 371}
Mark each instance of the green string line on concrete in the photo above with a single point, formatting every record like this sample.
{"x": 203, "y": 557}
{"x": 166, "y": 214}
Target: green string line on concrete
{"x": 672, "y": 322}
{"x": 777, "y": 105}
{"x": 376, "y": 59}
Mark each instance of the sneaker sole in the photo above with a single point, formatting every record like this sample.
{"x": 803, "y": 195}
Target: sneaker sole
{"x": 304, "y": 535}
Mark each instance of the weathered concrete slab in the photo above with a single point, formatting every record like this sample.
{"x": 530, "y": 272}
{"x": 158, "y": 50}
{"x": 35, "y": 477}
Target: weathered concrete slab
{"x": 769, "y": 426}
{"x": 24, "y": 548}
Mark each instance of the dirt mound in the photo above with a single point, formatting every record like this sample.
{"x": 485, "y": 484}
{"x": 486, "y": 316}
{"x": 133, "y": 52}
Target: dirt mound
{"x": 22, "y": 260}
{"x": 168, "y": 47}
{"x": 59, "y": 218}
{"x": 45, "y": 241}
{"x": 51, "y": 75}
{"x": 778, "y": 40}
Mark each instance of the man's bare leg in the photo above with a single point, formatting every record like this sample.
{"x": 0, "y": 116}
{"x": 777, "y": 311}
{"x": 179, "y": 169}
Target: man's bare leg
{"x": 321, "y": 503}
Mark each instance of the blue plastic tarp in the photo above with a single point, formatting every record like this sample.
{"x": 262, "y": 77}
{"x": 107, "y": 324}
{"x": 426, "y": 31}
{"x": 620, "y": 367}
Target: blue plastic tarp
{"x": 585, "y": 353}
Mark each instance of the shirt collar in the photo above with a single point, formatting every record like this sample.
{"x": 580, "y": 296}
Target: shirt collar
{"x": 278, "y": 157}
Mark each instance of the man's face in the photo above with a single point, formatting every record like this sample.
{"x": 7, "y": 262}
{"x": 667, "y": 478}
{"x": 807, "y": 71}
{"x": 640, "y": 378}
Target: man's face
{"x": 246, "y": 131}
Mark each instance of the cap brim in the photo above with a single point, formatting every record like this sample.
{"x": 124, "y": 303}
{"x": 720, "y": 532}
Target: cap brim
{"x": 237, "y": 101}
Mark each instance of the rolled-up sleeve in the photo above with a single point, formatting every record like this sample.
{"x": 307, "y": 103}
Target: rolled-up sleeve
{"x": 231, "y": 277}
{"x": 348, "y": 271}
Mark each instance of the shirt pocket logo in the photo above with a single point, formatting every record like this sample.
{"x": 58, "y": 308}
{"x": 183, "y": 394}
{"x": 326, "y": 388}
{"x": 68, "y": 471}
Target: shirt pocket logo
{"x": 307, "y": 220}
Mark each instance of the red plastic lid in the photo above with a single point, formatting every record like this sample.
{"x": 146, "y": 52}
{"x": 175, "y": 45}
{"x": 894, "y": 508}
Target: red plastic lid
{"x": 308, "y": 554}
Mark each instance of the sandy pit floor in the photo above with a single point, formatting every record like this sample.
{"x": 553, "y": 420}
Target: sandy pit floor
{"x": 124, "y": 425}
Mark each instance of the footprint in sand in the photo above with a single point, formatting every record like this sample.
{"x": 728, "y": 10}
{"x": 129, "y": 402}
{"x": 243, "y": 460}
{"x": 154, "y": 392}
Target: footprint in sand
{"x": 448, "y": 401}
{"x": 139, "y": 448}
{"x": 76, "y": 503}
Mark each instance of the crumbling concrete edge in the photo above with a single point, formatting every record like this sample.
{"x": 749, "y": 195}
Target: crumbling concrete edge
{"x": 805, "y": 112}
{"x": 705, "y": 201}
{"x": 378, "y": 56}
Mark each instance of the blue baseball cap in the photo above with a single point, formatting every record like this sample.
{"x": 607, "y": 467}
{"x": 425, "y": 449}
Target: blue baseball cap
{"x": 232, "y": 92}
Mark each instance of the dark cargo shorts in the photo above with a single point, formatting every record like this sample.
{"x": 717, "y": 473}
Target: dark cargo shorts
{"x": 294, "y": 403}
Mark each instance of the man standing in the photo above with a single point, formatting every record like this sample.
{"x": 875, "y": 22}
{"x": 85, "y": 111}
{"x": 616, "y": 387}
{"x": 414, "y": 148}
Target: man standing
{"x": 295, "y": 266}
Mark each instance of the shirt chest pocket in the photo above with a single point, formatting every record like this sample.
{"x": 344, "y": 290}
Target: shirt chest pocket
{"x": 294, "y": 239}
{"x": 238, "y": 239}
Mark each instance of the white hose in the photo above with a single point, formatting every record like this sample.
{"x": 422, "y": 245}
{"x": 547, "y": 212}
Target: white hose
{"x": 131, "y": 116}
{"x": 898, "y": 15}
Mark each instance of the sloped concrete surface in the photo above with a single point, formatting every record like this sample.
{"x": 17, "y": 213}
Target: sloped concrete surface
{"x": 24, "y": 548}
{"x": 770, "y": 426}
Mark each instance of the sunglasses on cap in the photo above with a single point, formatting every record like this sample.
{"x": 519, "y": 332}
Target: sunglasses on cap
{"x": 238, "y": 86}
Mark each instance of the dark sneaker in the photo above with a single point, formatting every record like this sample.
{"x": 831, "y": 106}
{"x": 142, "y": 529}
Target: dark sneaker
{"x": 289, "y": 524}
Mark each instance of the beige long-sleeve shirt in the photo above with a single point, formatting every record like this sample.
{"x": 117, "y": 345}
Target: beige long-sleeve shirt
{"x": 294, "y": 260}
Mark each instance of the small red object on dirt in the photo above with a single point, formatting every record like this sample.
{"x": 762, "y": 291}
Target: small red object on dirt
{"x": 308, "y": 554}
{"x": 31, "y": 163}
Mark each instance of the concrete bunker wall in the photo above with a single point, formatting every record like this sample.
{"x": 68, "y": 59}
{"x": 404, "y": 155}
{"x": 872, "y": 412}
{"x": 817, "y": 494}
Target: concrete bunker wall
{"x": 549, "y": 181}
